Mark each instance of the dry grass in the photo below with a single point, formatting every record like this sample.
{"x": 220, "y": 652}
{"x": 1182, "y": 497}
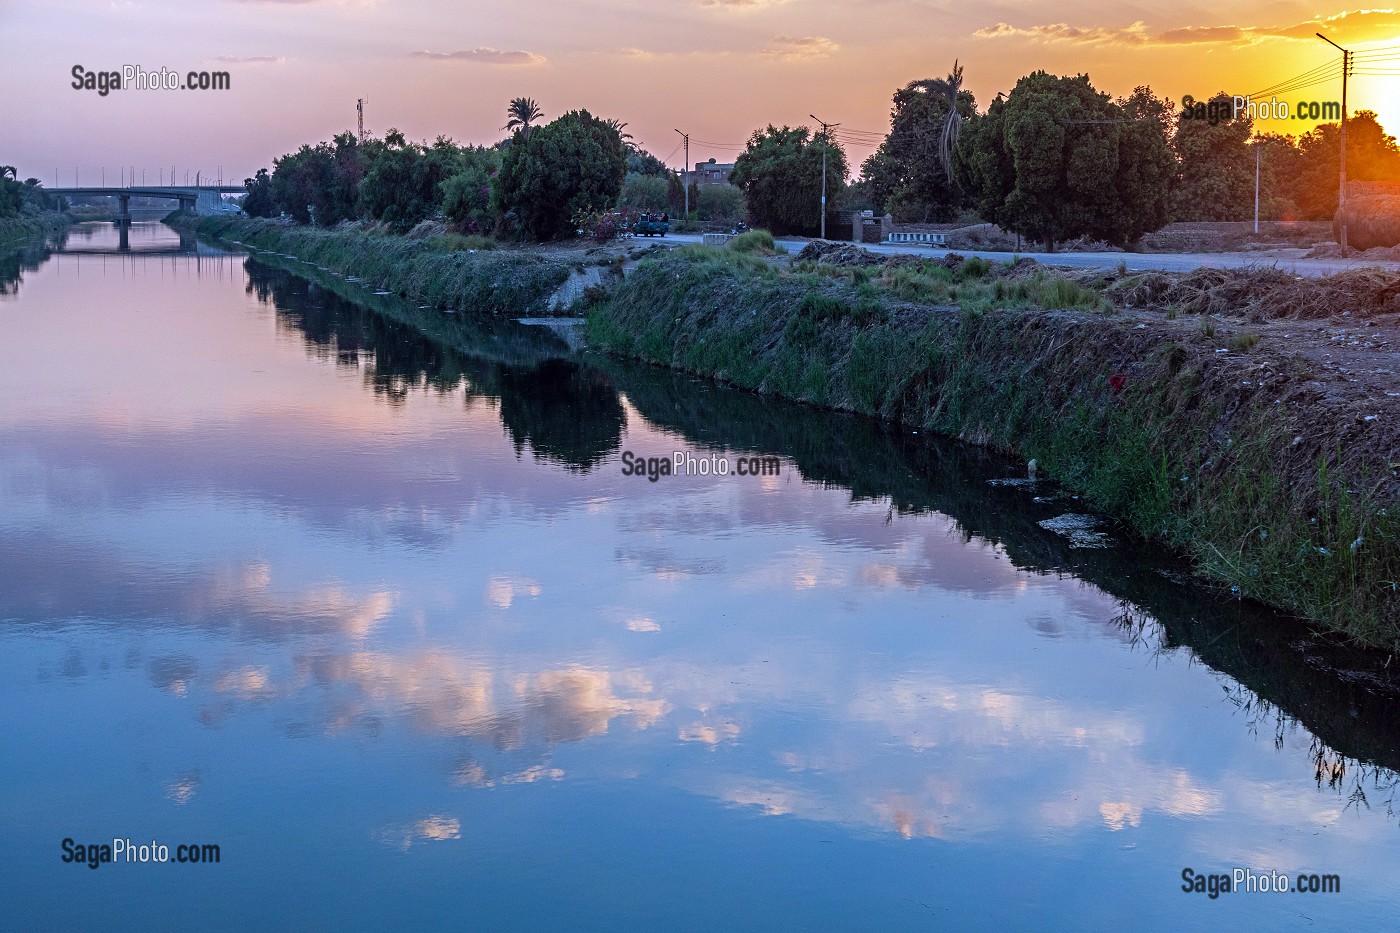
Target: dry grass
{"x": 1262, "y": 293}
{"x": 1371, "y": 221}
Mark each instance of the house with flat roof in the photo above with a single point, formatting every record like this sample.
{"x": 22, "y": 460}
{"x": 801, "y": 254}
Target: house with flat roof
{"x": 712, "y": 172}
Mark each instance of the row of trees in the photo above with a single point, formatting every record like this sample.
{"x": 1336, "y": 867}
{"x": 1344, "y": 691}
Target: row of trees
{"x": 537, "y": 183}
{"x": 1057, "y": 158}
{"x": 20, "y": 198}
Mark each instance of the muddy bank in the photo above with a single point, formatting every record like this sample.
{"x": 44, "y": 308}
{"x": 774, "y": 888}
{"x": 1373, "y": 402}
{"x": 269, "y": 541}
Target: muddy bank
{"x": 1253, "y": 447}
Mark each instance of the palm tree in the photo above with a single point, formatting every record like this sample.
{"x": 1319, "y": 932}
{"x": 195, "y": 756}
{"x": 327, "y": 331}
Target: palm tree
{"x": 618, "y": 126}
{"x": 947, "y": 88}
{"x": 9, "y": 170}
{"x": 523, "y": 112}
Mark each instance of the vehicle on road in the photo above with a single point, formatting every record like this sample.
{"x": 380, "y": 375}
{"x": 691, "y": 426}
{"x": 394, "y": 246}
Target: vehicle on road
{"x": 651, "y": 224}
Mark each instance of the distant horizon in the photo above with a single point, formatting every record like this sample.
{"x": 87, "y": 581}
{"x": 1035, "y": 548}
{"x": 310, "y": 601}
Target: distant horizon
{"x": 717, "y": 69}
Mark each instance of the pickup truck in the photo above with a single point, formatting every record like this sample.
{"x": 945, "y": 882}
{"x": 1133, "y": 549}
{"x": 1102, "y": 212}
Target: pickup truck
{"x": 651, "y": 225}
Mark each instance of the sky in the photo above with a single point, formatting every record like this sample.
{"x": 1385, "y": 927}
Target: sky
{"x": 717, "y": 69}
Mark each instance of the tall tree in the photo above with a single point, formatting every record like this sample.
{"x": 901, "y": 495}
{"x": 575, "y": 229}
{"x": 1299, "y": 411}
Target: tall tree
{"x": 1216, "y": 180}
{"x": 571, "y": 166}
{"x": 780, "y": 173}
{"x": 908, "y": 175}
{"x": 258, "y": 201}
{"x": 522, "y": 113}
{"x": 1058, "y": 159}
{"x": 1371, "y": 156}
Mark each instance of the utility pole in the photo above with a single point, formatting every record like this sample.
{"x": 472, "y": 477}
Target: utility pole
{"x": 1346, "y": 72}
{"x": 1256, "y": 186}
{"x": 360, "y": 112}
{"x": 685, "y": 177}
{"x": 826, "y": 141}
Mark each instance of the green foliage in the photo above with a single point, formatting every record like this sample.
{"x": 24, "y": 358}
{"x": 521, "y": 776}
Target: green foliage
{"x": 449, "y": 242}
{"x": 21, "y": 198}
{"x": 404, "y": 183}
{"x": 574, "y": 165}
{"x": 521, "y": 114}
{"x": 720, "y": 204}
{"x": 754, "y": 241}
{"x": 1217, "y": 166}
{"x": 440, "y": 272}
{"x": 1058, "y": 159}
{"x": 1372, "y": 155}
{"x": 780, "y": 174}
{"x": 644, "y": 192}
{"x": 904, "y": 174}
{"x": 466, "y": 195}
{"x": 258, "y": 201}
{"x": 323, "y": 180}
{"x": 641, "y": 162}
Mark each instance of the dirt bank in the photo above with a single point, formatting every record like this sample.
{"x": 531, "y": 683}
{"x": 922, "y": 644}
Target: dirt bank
{"x": 1263, "y": 445}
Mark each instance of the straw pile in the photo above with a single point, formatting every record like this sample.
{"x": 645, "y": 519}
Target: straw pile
{"x": 1262, "y": 293}
{"x": 1371, "y": 220}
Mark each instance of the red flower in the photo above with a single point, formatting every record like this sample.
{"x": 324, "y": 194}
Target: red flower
{"x": 1117, "y": 381}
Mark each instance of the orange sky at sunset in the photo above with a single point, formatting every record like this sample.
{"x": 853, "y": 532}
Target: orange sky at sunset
{"x": 716, "y": 68}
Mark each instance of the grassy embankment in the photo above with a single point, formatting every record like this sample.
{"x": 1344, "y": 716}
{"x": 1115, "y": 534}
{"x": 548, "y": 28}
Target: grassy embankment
{"x": 438, "y": 271}
{"x": 1150, "y": 424}
{"x": 22, "y": 228}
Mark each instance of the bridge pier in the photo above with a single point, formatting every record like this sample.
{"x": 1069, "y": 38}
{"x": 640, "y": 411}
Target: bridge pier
{"x": 187, "y": 204}
{"x": 124, "y": 211}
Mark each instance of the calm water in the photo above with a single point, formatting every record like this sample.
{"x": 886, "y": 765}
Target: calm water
{"x": 386, "y": 622}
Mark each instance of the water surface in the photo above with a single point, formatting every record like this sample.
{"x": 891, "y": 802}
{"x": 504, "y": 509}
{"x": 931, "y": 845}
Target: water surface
{"x": 383, "y": 618}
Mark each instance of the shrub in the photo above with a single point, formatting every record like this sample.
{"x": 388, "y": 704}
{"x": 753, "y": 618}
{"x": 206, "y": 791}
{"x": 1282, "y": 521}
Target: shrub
{"x": 754, "y": 241}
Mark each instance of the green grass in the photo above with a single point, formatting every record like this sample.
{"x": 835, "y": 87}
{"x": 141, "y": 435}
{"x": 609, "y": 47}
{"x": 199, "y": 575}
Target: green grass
{"x": 439, "y": 271}
{"x": 1244, "y": 341}
{"x": 13, "y": 229}
{"x": 754, "y": 241}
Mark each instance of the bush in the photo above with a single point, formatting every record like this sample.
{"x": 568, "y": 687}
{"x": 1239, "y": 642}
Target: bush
{"x": 645, "y": 192}
{"x": 754, "y": 241}
{"x": 572, "y": 166}
{"x": 466, "y": 195}
{"x": 721, "y": 204}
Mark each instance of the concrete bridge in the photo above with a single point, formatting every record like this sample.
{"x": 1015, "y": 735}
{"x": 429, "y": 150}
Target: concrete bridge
{"x": 200, "y": 199}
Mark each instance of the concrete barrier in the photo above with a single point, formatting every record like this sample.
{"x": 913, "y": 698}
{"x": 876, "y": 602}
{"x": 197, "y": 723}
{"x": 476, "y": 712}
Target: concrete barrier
{"x": 932, "y": 239}
{"x": 715, "y": 239}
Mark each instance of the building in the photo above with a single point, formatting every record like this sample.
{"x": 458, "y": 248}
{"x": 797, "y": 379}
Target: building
{"x": 712, "y": 173}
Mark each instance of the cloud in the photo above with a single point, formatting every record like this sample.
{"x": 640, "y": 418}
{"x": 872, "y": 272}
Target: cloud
{"x": 1356, "y": 25}
{"x": 1064, "y": 32}
{"x": 485, "y": 56}
{"x": 250, "y": 59}
{"x": 792, "y": 48}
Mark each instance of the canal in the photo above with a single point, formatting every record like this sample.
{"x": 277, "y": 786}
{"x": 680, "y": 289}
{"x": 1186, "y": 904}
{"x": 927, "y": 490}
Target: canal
{"x": 391, "y": 621}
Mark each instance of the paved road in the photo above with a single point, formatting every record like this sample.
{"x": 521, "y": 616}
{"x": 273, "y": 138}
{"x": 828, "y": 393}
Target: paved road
{"x": 1289, "y": 259}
